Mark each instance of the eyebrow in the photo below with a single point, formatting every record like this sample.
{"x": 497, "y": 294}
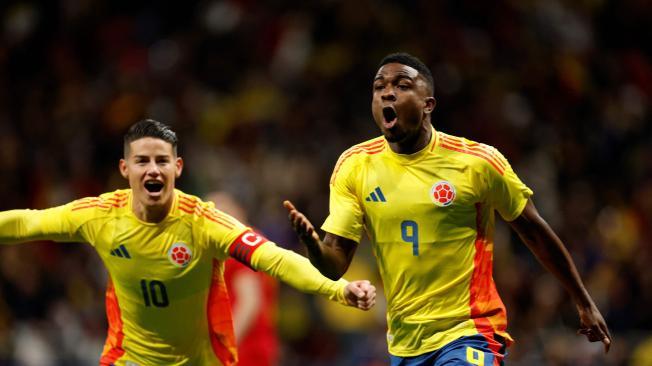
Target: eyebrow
{"x": 147, "y": 156}
{"x": 399, "y": 76}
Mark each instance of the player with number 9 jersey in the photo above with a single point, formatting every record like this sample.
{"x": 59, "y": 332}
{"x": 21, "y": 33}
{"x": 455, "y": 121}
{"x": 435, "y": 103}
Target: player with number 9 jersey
{"x": 430, "y": 218}
{"x": 427, "y": 201}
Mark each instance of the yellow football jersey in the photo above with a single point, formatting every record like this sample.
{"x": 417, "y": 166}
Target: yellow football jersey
{"x": 430, "y": 218}
{"x": 166, "y": 300}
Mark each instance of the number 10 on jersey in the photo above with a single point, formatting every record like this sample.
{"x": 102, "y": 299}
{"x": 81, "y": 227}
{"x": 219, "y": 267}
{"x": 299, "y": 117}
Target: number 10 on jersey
{"x": 154, "y": 293}
{"x": 410, "y": 234}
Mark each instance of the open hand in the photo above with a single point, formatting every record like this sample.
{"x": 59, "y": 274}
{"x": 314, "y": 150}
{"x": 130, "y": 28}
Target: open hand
{"x": 360, "y": 294}
{"x": 301, "y": 225}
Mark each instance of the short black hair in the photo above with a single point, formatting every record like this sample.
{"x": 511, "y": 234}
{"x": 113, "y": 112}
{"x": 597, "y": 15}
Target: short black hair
{"x": 150, "y": 128}
{"x": 409, "y": 60}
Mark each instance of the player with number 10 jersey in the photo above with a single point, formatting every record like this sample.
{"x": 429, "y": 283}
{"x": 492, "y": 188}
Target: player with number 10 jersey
{"x": 166, "y": 299}
{"x": 430, "y": 218}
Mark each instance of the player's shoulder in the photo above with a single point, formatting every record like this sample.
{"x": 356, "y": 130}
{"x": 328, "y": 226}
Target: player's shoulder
{"x": 197, "y": 211}
{"x": 188, "y": 200}
{"x": 190, "y": 205}
{"x": 471, "y": 152}
{"x": 366, "y": 148}
{"x": 106, "y": 202}
{"x": 359, "y": 154}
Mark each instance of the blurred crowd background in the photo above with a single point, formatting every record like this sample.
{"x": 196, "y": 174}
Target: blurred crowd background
{"x": 265, "y": 96}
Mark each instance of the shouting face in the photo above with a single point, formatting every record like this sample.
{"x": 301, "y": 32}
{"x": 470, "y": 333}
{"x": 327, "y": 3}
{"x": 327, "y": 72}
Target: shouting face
{"x": 401, "y": 106}
{"x": 151, "y": 166}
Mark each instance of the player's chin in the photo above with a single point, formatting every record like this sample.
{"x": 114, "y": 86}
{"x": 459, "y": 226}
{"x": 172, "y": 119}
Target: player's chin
{"x": 393, "y": 136}
{"x": 155, "y": 198}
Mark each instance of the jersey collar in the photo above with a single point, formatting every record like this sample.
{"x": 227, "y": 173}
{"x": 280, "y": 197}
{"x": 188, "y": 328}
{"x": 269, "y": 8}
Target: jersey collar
{"x": 172, "y": 214}
{"x": 407, "y": 159}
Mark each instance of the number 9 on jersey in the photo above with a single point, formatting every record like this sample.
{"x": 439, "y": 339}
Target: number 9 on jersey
{"x": 410, "y": 234}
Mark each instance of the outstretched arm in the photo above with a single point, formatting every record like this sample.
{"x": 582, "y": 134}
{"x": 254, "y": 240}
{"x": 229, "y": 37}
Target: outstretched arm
{"x": 296, "y": 271}
{"x": 332, "y": 256}
{"x": 17, "y": 226}
{"x": 551, "y": 252}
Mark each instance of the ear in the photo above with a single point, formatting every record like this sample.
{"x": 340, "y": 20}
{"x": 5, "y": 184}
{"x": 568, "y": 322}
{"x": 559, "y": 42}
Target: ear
{"x": 430, "y": 105}
{"x": 123, "y": 168}
{"x": 179, "y": 163}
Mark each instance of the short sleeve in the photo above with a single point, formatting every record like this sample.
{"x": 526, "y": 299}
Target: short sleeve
{"x": 345, "y": 213}
{"x": 506, "y": 192}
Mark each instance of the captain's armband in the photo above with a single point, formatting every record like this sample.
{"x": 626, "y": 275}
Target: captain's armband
{"x": 245, "y": 245}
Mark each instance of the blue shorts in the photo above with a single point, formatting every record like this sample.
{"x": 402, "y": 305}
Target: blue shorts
{"x": 468, "y": 351}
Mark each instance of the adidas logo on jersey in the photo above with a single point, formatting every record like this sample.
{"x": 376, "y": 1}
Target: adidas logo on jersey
{"x": 121, "y": 252}
{"x": 376, "y": 196}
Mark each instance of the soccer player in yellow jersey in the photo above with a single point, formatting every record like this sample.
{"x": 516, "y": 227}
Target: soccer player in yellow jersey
{"x": 166, "y": 300}
{"x": 427, "y": 200}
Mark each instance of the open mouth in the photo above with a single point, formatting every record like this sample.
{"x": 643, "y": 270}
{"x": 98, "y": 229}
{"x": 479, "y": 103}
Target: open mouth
{"x": 153, "y": 186}
{"x": 389, "y": 114}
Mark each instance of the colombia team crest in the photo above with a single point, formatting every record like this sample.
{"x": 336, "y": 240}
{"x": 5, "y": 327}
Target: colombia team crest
{"x": 180, "y": 254}
{"x": 442, "y": 193}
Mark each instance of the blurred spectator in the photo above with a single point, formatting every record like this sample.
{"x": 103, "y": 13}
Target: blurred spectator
{"x": 253, "y": 300}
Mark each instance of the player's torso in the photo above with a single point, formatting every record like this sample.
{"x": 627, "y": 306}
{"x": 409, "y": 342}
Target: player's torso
{"x": 421, "y": 218}
{"x": 161, "y": 275}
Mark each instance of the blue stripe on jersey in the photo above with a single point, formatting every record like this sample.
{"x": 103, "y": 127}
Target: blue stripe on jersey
{"x": 380, "y": 195}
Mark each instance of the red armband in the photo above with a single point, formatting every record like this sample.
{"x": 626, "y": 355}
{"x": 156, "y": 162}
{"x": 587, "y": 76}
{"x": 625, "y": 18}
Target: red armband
{"x": 244, "y": 246}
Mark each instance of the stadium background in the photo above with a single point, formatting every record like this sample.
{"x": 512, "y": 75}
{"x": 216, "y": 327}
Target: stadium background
{"x": 265, "y": 95}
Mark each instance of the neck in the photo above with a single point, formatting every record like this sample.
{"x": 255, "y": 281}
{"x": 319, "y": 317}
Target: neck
{"x": 151, "y": 214}
{"x": 412, "y": 144}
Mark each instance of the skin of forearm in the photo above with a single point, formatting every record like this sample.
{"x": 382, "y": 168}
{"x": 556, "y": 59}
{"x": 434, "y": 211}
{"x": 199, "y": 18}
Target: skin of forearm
{"x": 332, "y": 255}
{"x": 552, "y": 254}
{"x": 327, "y": 256}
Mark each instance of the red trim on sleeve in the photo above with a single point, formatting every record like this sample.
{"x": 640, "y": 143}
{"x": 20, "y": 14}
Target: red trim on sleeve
{"x": 245, "y": 245}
